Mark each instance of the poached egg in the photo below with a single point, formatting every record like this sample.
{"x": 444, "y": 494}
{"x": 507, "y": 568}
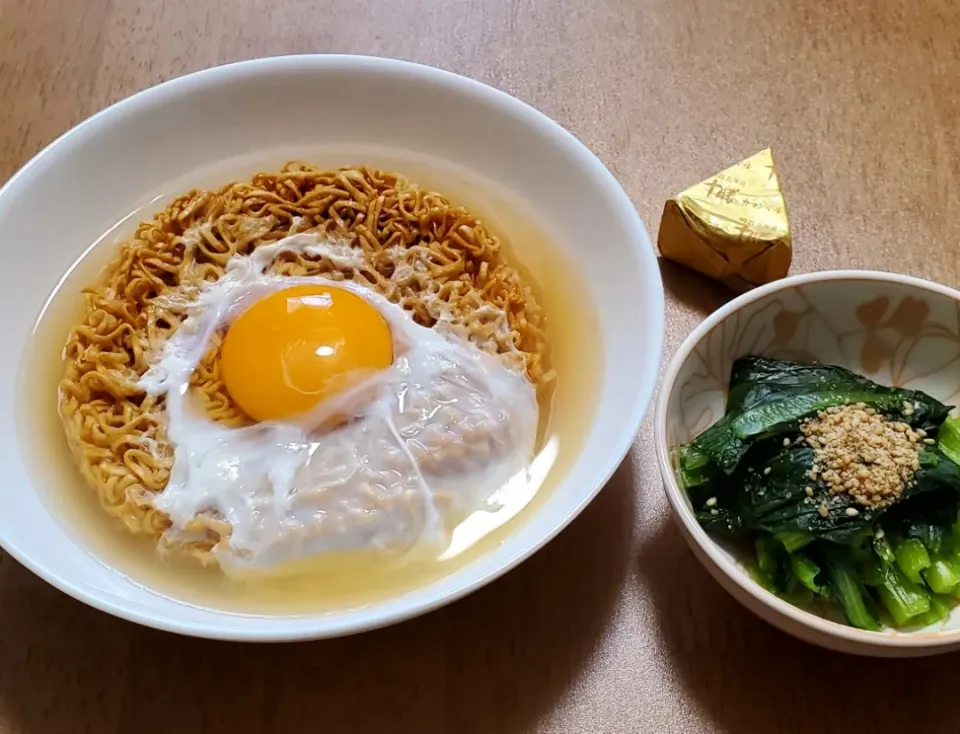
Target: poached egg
{"x": 373, "y": 432}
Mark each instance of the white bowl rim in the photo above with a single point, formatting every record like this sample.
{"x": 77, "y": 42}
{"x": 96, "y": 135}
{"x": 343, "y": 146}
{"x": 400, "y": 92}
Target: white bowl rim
{"x": 640, "y": 242}
{"x": 676, "y": 496}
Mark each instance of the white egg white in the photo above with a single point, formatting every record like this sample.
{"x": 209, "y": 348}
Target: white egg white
{"x": 426, "y": 441}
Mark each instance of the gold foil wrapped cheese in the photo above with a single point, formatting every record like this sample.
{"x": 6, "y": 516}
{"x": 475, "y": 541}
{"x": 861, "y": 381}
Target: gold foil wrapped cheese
{"x": 732, "y": 227}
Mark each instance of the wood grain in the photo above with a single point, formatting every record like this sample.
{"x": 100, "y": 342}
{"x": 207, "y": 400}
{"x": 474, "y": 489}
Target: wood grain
{"x": 613, "y": 627}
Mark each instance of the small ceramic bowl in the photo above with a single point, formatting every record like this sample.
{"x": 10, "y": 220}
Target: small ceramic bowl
{"x": 894, "y": 329}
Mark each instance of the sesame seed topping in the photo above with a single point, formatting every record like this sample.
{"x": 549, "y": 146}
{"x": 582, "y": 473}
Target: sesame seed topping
{"x": 858, "y": 452}
{"x": 809, "y": 491}
{"x": 851, "y": 512}
{"x": 786, "y": 442}
{"x": 712, "y": 502}
{"x": 823, "y": 510}
{"x": 929, "y": 441}
{"x": 766, "y": 471}
{"x": 714, "y": 512}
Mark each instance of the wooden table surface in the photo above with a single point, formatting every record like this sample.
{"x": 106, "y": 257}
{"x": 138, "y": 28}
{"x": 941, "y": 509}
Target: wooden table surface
{"x": 613, "y": 627}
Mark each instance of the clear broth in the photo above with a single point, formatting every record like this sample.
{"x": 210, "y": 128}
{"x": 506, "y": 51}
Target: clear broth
{"x": 337, "y": 581}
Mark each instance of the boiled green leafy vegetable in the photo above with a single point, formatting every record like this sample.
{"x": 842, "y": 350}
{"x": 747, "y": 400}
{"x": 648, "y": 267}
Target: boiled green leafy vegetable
{"x": 754, "y": 474}
{"x": 768, "y": 398}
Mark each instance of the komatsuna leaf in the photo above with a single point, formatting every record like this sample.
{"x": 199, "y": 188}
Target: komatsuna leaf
{"x": 770, "y": 397}
{"x": 776, "y": 501}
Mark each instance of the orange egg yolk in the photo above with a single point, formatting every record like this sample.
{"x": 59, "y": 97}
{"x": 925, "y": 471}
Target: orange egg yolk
{"x": 296, "y": 347}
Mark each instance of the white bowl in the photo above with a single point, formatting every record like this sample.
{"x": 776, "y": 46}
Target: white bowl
{"x": 894, "y": 329}
{"x": 192, "y": 131}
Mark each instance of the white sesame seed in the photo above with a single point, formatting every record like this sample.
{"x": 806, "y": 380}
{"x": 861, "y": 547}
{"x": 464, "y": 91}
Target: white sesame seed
{"x": 786, "y": 442}
{"x": 809, "y": 491}
{"x": 714, "y": 512}
{"x": 766, "y": 471}
{"x": 929, "y": 441}
{"x": 858, "y": 452}
{"x": 851, "y": 512}
{"x": 879, "y": 535}
{"x": 712, "y": 502}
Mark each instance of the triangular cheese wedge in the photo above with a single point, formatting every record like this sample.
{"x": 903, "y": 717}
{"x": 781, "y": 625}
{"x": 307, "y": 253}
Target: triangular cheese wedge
{"x": 732, "y": 227}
